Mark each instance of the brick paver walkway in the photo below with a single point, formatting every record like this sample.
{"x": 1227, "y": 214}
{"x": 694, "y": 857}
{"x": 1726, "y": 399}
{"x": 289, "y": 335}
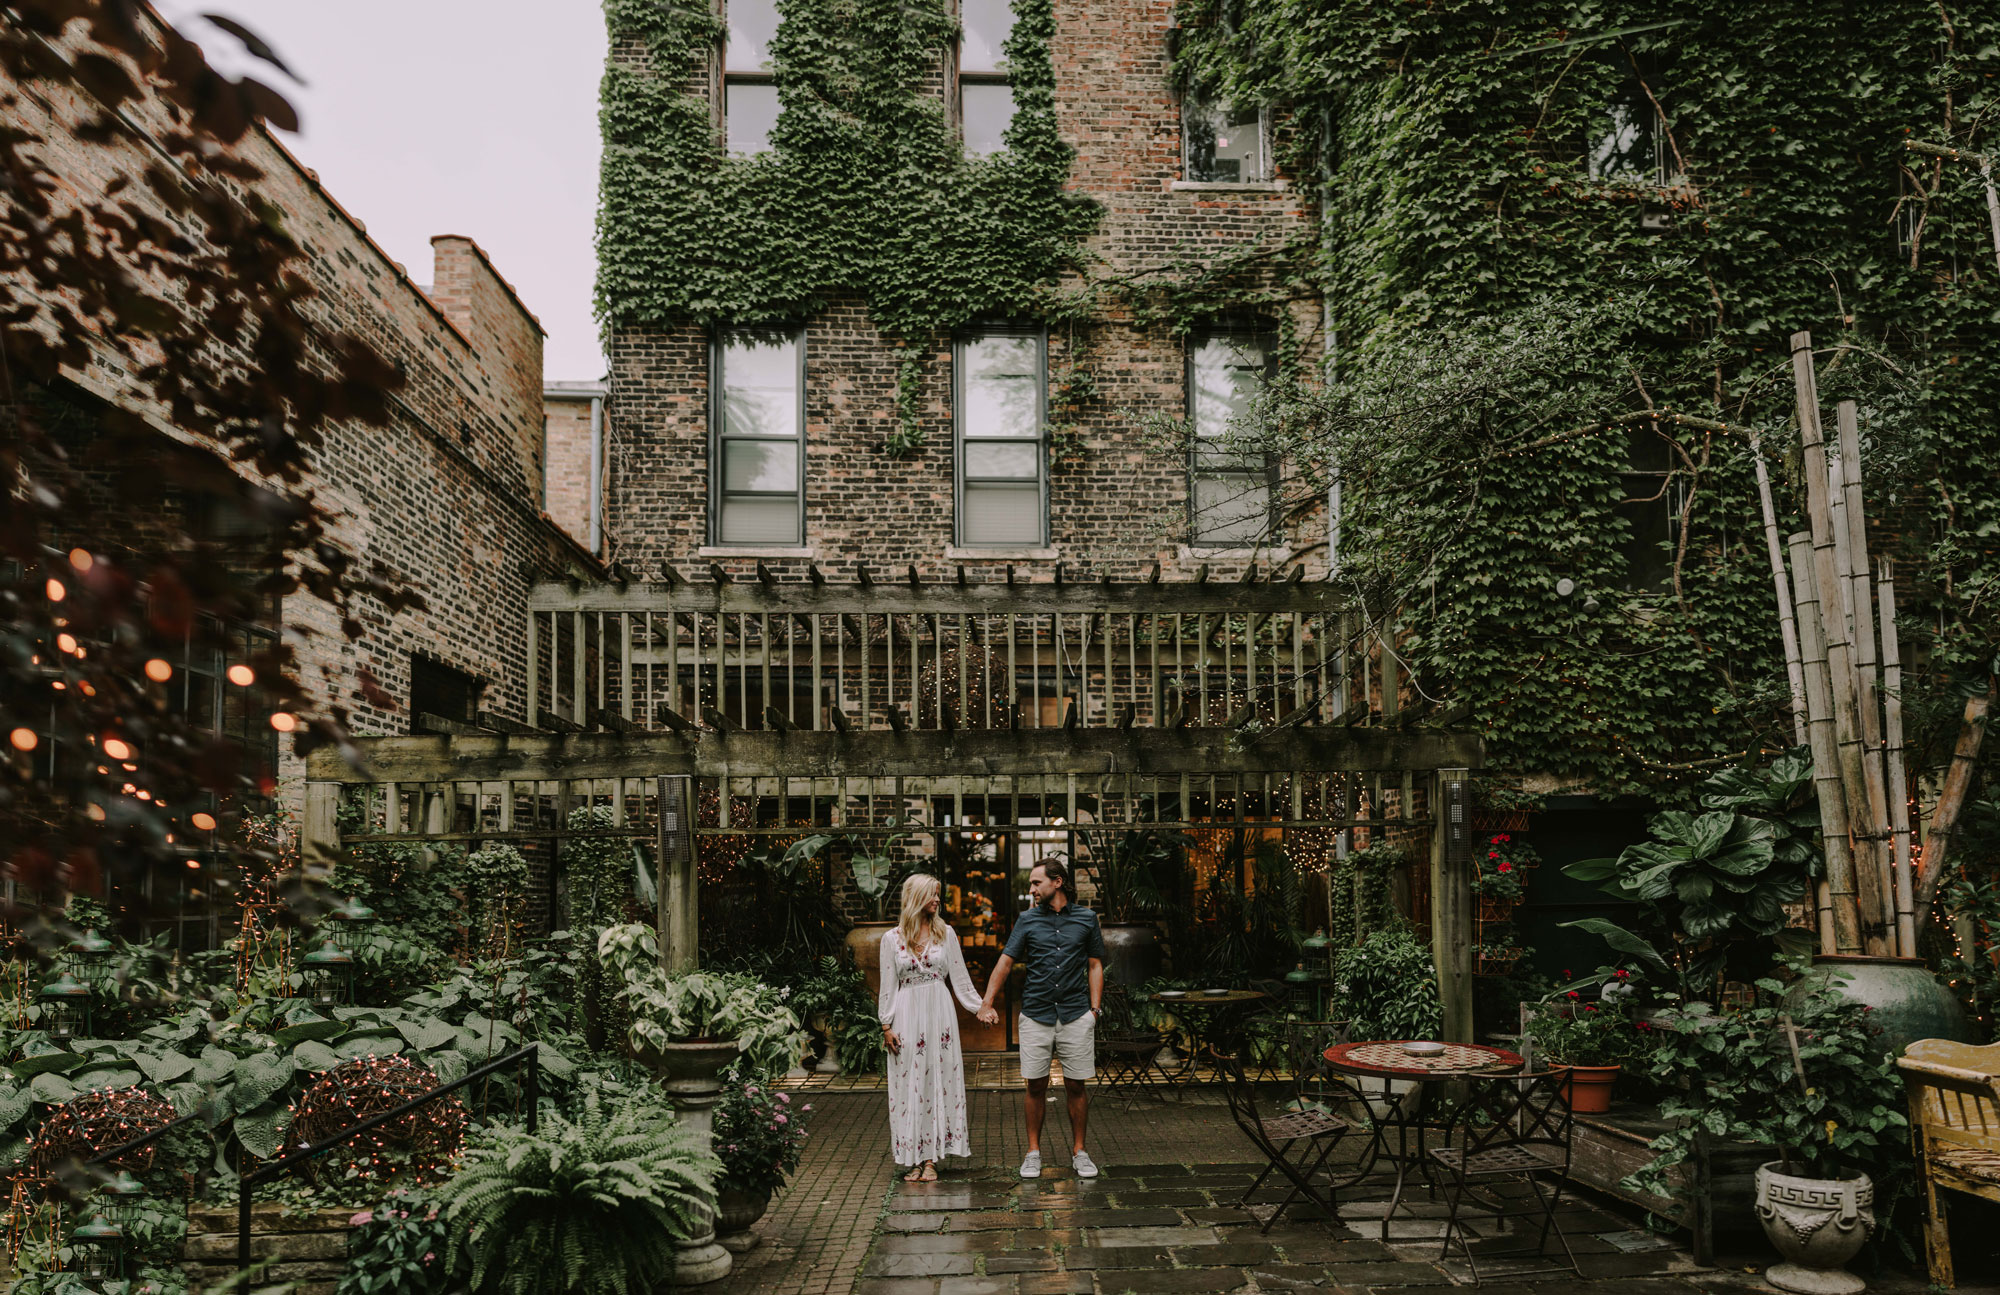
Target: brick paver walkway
{"x": 1161, "y": 1218}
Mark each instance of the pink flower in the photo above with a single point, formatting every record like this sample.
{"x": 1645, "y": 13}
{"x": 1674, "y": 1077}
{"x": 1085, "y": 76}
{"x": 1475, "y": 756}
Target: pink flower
{"x": 363, "y": 1217}
{"x": 753, "y": 1090}
{"x": 781, "y": 1118}
{"x": 808, "y": 1106}
{"x": 786, "y": 1098}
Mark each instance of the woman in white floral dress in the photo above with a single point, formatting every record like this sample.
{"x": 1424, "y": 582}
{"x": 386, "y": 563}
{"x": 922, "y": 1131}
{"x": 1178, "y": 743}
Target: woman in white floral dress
{"x": 922, "y": 971}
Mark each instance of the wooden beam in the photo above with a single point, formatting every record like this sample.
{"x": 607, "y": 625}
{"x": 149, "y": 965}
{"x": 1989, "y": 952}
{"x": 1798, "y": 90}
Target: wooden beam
{"x": 605, "y": 718}
{"x": 817, "y": 576}
{"x": 840, "y": 721}
{"x": 775, "y": 719}
{"x": 896, "y": 720}
{"x": 668, "y": 576}
{"x": 486, "y": 719}
{"x": 674, "y": 720}
{"x": 1126, "y": 715}
{"x": 717, "y": 720}
{"x": 828, "y": 753}
{"x": 765, "y": 576}
{"x": 557, "y": 724}
{"x": 1451, "y": 900}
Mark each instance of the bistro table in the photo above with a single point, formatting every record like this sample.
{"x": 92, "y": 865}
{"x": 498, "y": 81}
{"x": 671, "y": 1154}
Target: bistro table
{"x": 1208, "y": 1017}
{"x": 1403, "y": 1112}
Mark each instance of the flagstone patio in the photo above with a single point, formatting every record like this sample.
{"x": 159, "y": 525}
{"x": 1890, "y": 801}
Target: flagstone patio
{"x": 1163, "y": 1216}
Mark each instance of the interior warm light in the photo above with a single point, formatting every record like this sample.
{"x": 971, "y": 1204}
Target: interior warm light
{"x": 67, "y": 642}
{"x": 117, "y": 748}
{"x": 205, "y": 821}
{"x": 194, "y": 863}
{"x": 242, "y": 676}
{"x": 159, "y": 671}
{"x": 24, "y": 739}
{"x": 55, "y": 590}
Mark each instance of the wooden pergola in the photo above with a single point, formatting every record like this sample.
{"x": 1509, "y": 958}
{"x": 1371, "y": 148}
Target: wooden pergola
{"x": 770, "y": 704}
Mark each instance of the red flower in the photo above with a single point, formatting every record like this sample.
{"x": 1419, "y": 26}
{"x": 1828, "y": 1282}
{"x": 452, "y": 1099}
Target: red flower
{"x": 1623, "y": 974}
{"x": 1573, "y": 994}
{"x": 1492, "y": 854}
{"x": 1590, "y": 1007}
{"x": 1506, "y": 866}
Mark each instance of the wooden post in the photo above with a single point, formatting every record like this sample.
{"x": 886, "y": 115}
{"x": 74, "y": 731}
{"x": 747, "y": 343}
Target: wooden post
{"x": 1892, "y": 756}
{"x": 679, "y": 916}
{"x": 319, "y": 833}
{"x": 1951, "y": 800}
{"x": 1820, "y": 732}
{"x": 1451, "y": 899}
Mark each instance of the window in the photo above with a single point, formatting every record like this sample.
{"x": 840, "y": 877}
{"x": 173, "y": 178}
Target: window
{"x": 1223, "y": 144}
{"x": 438, "y": 692}
{"x": 1001, "y": 470}
{"x": 1652, "y": 507}
{"x": 749, "y": 96}
{"x": 1629, "y": 141}
{"x": 757, "y": 466}
{"x": 1230, "y": 490}
{"x": 985, "y": 96}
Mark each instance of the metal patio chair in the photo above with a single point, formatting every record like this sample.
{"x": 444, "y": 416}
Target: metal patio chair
{"x": 1128, "y": 1056}
{"x": 1295, "y": 1143}
{"x": 1510, "y": 1128}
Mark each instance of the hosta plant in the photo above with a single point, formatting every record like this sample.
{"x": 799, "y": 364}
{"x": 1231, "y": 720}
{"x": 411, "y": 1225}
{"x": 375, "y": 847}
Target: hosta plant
{"x": 699, "y": 1004}
{"x": 591, "y": 1204}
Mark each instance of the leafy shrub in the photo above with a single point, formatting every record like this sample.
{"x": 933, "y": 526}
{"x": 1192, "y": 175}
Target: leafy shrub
{"x": 699, "y": 1005}
{"x": 1576, "y": 1032}
{"x": 838, "y": 994}
{"x": 400, "y": 1247}
{"x": 1387, "y": 988}
{"x": 759, "y": 1136}
{"x": 601, "y": 874}
{"x": 591, "y": 1205}
{"x": 1503, "y": 867}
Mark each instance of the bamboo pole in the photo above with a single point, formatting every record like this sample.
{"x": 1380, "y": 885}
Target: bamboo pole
{"x": 1867, "y": 698}
{"x": 1820, "y": 734}
{"x": 1787, "y": 625}
{"x": 1951, "y": 800}
{"x": 1892, "y": 756}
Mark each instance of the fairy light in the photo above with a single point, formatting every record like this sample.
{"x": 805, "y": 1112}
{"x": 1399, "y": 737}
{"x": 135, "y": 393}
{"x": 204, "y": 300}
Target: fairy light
{"x": 284, "y": 721}
{"x": 242, "y": 676}
{"x": 81, "y": 559}
{"x": 117, "y": 748}
{"x": 202, "y": 820}
{"x": 23, "y": 739}
{"x": 66, "y": 642}
{"x": 419, "y": 1145}
{"x": 97, "y": 1121}
{"x": 54, "y": 589}
{"x": 158, "y": 670}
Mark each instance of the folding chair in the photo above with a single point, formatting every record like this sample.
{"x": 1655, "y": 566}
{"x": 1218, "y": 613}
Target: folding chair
{"x": 1316, "y": 1085}
{"x": 1315, "y": 1133}
{"x": 1510, "y": 1128}
{"x": 1127, "y": 1055}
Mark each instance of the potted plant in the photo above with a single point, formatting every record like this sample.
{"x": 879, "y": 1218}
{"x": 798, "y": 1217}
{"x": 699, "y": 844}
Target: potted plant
{"x": 1810, "y": 1077}
{"x": 873, "y": 875}
{"x": 832, "y": 999}
{"x": 1595, "y": 1039}
{"x": 759, "y": 1136}
{"x": 1134, "y": 875}
{"x": 1503, "y": 876}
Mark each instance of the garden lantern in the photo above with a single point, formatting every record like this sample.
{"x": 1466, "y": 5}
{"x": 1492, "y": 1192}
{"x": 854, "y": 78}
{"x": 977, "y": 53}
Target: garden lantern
{"x": 66, "y": 1004}
{"x": 329, "y": 974}
{"x": 1300, "y": 976}
{"x": 100, "y": 1249}
{"x": 1317, "y": 940}
{"x": 357, "y": 915}
{"x": 91, "y": 948}
{"x": 124, "y": 1191}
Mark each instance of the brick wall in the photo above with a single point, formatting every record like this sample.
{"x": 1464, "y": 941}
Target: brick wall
{"x": 566, "y": 485}
{"x": 1117, "y": 506}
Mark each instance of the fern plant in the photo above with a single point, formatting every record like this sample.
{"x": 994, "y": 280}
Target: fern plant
{"x": 589, "y": 1205}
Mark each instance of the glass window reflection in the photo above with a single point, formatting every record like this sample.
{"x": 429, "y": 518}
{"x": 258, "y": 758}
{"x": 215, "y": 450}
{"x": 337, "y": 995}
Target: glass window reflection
{"x": 1224, "y": 143}
{"x": 987, "y": 109}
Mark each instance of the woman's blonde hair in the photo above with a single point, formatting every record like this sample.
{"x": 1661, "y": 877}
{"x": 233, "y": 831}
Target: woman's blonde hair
{"x": 919, "y": 888}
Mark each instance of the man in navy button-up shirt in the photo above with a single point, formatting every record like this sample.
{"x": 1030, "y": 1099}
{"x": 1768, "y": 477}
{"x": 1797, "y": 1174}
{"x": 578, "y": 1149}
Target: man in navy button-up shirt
{"x": 1062, "y": 947}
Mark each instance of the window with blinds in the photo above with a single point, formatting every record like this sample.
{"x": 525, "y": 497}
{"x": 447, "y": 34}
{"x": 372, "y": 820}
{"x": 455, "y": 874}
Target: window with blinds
{"x": 757, "y": 455}
{"x": 1229, "y": 492}
{"x": 1002, "y": 470}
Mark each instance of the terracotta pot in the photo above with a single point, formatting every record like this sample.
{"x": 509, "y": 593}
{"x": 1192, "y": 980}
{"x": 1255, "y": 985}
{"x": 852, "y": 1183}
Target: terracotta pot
{"x": 1135, "y": 953}
{"x": 1817, "y": 1224}
{"x": 736, "y": 1212}
{"x": 1588, "y": 1088}
{"x": 1908, "y": 999}
{"x": 864, "y": 946}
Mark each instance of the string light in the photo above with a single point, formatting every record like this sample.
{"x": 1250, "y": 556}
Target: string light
{"x": 95, "y": 1122}
{"x": 81, "y": 559}
{"x": 117, "y": 748}
{"x": 202, "y": 820}
{"x": 23, "y": 739}
{"x": 158, "y": 670}
{"x": 242, "y": 676}
{"x": 54, "y": 589}
{"x": 419, "y": 1145}
{"x": 283, "y": 721}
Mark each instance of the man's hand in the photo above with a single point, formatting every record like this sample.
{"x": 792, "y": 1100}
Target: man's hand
{"x": 892, "y": 1041}
{"x": 988, "y": 1016}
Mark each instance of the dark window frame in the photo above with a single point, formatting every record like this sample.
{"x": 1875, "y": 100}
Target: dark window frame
{"x": 1266, "y": 337}
{"x": 1266, "y": 170}
{"x": 717, "y": 440}
{"x": 978, "y": 76}
{"x": 1040, "y": 440}
{"x": 727, "y": 77}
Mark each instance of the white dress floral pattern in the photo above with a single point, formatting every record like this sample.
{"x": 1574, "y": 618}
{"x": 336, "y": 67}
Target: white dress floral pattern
{"x": 927, "y": 1078}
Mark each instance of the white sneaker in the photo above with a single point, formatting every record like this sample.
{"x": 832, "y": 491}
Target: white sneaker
{"x": 1084, "y": 1165}
{"x": 1031, "y": 1165}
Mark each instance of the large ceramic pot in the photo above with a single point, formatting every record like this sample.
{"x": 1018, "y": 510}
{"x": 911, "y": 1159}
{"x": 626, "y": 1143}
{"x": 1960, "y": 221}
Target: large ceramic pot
{"x": 736, "y": 1212}
{"x": 1817, "y": 1224}
{"x": 864, "y": 947}
{"x": 1135, "y": 953}
{"x": 1910, "y": 1002}
{"x": 1588, "y": 1088}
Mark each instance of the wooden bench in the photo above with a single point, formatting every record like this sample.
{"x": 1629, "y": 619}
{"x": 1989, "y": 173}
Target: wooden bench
{"x": 1954, "y": 1091}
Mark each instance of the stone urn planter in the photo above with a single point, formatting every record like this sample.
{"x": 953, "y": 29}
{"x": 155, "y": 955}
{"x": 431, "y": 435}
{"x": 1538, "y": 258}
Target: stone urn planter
{"x": 864, "y": 947}
{"x": 1908, "y": 999}
{"x": 691, "y": 1074}
{"x": 1588, "y": 1088}
{"x": 1817, "y": 1224}
{"x": 736, "y": 1212}
{"x": 829, "y": 1062}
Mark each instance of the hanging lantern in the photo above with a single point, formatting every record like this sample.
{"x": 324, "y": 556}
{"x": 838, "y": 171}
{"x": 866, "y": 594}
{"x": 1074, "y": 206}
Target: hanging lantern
{"x": 66, "y": 1007}
{"x": 1316, "y": 941}
{"x": 329, "y": 975}
{"x": 1299, "y": 975}
{"x": 125, "y": 1192}
{"x": 354, "y": 913}
{"x": 100, "y": 1250}
{"x": 91, "y": 948}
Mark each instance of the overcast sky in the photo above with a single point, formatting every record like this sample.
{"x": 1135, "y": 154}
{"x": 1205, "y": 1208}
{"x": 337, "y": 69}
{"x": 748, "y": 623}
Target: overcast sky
{"x": 449, "y": 117}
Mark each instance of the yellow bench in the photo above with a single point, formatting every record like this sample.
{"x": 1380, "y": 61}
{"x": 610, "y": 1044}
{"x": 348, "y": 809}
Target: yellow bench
{"x": 1954, "y": 1091}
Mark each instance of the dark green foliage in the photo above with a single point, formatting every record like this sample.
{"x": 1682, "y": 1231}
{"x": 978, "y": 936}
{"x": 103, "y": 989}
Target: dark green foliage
{"x": 759, "y": 1136}
{"x": 1386, "y": 988}
{"x": 402, "y": 1247}
{"x": 601, "y": 874}
{"x": 1358, "y": 886}
{"x": 591, "y": 1204}
{"x": 837, "y": 994}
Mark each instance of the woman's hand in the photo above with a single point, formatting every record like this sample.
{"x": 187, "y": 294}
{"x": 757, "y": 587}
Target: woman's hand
{"x": 892, "y": 1041}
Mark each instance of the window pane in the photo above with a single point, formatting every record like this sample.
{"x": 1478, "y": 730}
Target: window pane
{"x": 987, "y": 23}
{"x": 1228, "y": 371}
{"x": 1230, "y": 509}
{"x": 750, "y": 112}
{"x": 759, "y": 521}
{"x": 760, "y": 388}
{"x": 760, "y": 465}
{"x": 987, "y": 110}
{"x": 987, "y": 459}
{"x": 1002, "y": 514}
{"x": 1225, "y": 145}
{"x": 752, "y": 24}
{"x": 1003, "y": 385}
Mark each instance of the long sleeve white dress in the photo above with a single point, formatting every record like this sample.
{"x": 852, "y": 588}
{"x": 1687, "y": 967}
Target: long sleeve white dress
{"x": 927, "y": 1078}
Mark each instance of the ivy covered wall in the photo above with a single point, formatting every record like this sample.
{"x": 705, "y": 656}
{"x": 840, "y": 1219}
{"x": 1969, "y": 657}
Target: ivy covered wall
{"x": 1751, "y": 180}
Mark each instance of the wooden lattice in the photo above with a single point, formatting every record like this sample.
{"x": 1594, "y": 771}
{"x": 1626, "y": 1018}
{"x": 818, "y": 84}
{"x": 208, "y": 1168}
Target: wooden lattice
{"x": 419, "y": 1144}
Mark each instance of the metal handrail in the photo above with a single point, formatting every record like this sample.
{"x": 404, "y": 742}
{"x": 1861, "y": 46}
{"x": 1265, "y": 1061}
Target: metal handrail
{"x": 286, "y": 1164}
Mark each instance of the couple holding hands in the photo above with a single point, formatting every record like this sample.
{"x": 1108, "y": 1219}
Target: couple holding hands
{"x": 1060, "y": 944}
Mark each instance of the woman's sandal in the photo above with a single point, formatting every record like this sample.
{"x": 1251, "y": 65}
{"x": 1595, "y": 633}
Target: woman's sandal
{"x": 929, "y": 1173}
{"x": 916, "y": 1175}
